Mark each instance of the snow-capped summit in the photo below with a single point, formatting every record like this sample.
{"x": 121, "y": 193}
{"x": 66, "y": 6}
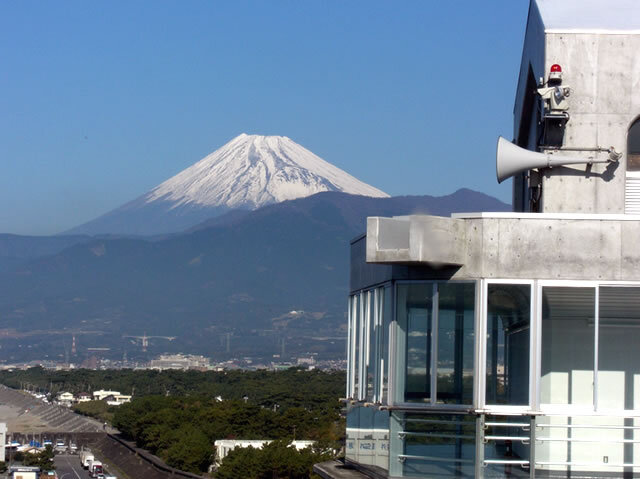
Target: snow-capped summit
{"x": 248, "y": 172}
{"x": 252, "y": 170}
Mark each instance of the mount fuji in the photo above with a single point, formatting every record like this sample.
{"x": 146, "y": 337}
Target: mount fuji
{"x": 247, "y": 173}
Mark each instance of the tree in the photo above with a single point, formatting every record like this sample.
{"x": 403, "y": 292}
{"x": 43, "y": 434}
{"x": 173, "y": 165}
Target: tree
{"x": 42, "y": 459}
{"x": 241, "y": 462}
{"x": 190, "y": 451}
{"x": 277, "y": 460}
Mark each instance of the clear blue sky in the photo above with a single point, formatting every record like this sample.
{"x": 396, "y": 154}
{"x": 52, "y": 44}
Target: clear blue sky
{"x": 102, "y": 100}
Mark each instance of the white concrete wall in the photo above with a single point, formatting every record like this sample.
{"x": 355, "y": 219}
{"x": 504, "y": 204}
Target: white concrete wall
{"x": 527, "y": 246}
{"x": 603, "y": 71}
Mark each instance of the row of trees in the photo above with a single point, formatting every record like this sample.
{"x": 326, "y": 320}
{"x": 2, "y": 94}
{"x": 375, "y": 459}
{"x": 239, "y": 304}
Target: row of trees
{"x": 182, "y": 430}
{"x": 277, "y": 460}
{"x": 291, "y": 388}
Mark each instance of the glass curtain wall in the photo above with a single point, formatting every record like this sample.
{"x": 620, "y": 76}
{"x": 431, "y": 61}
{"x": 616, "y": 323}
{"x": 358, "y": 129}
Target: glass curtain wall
{"x": 353, "y": 348}
{"x": 415, "y": 312}
{"x": 568, "y": 345}
{"x": 367, "y": 441}
{"x": 454, "y": 366}
{"x": 590, "y": 363}
{"x": 436, "y": 328}
{"x": 386, "y": 308}
{"x": 508, "y": 344}
{"x": 369, "y": 318}
{"x": 372, "y": 330}
{"x": 618, "y": 351}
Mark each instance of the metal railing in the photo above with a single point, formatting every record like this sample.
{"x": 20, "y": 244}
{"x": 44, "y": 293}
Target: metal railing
{"x": 519, "y": 446}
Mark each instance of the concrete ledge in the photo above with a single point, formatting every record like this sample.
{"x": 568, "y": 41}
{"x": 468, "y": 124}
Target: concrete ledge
{"x": 492, "y": 245}
{"x": 434, "y": 240}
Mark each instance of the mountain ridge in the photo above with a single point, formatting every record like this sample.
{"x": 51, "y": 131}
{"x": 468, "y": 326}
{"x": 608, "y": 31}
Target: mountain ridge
{"x": 238, "y": 277}
{"x": 247, "y": 172}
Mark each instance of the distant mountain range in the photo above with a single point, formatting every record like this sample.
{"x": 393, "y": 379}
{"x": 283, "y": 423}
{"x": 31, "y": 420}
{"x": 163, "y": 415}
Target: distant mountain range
{"x": 16, "y": 250}
{"x": 269, "y": 278}
{"x": 249, "y": 172}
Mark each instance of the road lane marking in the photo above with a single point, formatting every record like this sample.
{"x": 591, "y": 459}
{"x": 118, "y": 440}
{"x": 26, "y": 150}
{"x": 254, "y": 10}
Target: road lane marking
{"x": 72, "y": 468}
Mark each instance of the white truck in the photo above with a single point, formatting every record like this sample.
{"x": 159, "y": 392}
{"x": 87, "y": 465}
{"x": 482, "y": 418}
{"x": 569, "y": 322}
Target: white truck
{"x": 86, "y": 457}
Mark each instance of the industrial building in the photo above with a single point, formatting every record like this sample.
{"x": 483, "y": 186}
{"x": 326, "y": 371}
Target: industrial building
{"x": 179, "y": 361}
{"x": 508, "y": 344}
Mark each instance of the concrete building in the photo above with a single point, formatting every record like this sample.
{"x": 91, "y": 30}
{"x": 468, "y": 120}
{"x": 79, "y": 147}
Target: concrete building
{"x": 24, "y": 472}
{"x": 117, "y": 399}
{"x": 507, "y": 344}
{"x": 179, "y": 361}
{"x": 101, "y": 394}
{"x": 66, "y": 398}
{"x": 113, "y": 398}
{"x": 84, "y": 397}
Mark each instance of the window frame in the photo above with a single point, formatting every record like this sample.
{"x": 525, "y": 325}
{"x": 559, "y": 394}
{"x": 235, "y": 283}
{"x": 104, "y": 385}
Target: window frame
{"x": 634, "y": 173}
{"x": 366, "y": 309}
{"x": 397, "y": 370}
{"x": 573, "y": 409}
{"x": 533, "y": 352}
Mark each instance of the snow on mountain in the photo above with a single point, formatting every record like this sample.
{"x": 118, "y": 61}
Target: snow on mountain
{"x": 252, "y": 170}
{"x": 248, "y": 172}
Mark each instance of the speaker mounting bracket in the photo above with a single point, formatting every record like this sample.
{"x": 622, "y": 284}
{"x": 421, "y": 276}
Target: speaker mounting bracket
{"x": 553, "y": 127}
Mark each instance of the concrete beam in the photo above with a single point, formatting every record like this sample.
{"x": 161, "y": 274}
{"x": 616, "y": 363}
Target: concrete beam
{"x": 432, "y": 240}
{"x": 533, "y": 246}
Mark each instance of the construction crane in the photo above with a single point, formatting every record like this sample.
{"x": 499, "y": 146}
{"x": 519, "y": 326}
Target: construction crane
{"x": 144, "y": 339}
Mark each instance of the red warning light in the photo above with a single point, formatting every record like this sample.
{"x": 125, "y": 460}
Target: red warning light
{"x": 555, "y": 68}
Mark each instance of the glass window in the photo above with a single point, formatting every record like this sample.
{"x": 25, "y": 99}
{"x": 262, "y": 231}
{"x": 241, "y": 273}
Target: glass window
{"x": 386, "y": 308}
{"x": 633, "y": 147}
{"x": 354, "y": 344}
{"x": 371, "y": 337}
{"x": 456, "y": 306}
{"x": 415, "y": 310}
{"x": 436, "y": 446}
{"x": 362, "y": 346}
{"x": 618, "y": 359}
{"x": 508, "y": 333}
{"x": 446, "y": 327}
{"x": 568, "y": 344}
{"x": 368, "y": 350}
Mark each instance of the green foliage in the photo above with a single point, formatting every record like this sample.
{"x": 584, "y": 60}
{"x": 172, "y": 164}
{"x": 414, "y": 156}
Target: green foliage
{"x": 175, "y": 414}
{"x": 189, "y": 450}
{"x": 241, "y": 462}
{"x": 182, "y": 430}
{"x": 276, "y": 460}
{"x": 42, "y": 459}
{"x": 97, "y": 409}
{"x": 290, "y": 388}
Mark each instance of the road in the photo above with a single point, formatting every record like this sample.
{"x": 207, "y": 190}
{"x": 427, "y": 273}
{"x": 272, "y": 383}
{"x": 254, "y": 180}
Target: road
{"x": 68, "y": 467}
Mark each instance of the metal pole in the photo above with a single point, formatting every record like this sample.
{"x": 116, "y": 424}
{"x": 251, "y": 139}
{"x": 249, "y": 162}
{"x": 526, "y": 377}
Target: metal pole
{"x": 480, "y": 446}
{"x": 532, "y": 448}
